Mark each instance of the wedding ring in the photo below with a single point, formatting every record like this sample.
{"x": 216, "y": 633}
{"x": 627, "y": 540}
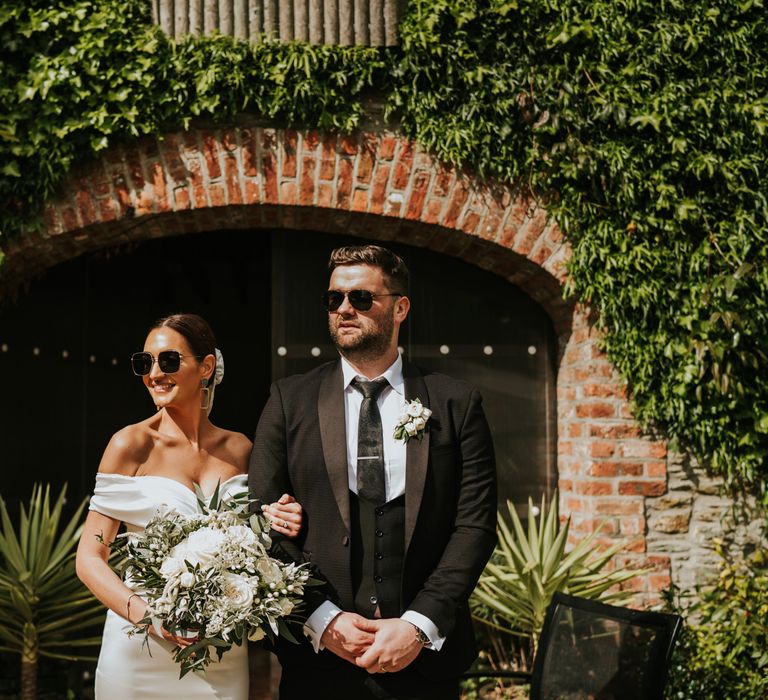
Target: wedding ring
{"x": 383, "y": 667}
{"x": 285, "y": 524}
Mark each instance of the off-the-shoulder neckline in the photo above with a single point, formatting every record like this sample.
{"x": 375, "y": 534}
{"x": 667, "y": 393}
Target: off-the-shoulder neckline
{"x": 168, "y": 478}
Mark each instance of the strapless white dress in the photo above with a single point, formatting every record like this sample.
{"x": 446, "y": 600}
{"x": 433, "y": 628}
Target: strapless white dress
{"x": 128, "y": 669}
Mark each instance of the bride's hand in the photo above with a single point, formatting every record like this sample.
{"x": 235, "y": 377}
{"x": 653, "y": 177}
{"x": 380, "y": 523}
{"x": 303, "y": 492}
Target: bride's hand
{"x": 285, "y": 515}
{"x": 174, "y": 639}
{"x": 159, "y": 631}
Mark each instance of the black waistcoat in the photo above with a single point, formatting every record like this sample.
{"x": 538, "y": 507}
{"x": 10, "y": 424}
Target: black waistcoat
{"x": 378, "y": 544}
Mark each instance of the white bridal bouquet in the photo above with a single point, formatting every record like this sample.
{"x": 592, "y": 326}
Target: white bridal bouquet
{"x": 209, "y": 576}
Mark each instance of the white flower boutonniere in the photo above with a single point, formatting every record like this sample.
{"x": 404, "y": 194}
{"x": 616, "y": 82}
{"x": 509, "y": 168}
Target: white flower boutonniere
{"x": 413, "y": 421}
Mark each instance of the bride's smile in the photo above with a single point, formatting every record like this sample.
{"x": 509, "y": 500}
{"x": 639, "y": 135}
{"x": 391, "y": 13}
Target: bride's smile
{"x": 162, "y": 387}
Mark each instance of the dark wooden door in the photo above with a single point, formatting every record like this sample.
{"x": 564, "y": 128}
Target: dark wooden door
{"x": 65, "y": 346}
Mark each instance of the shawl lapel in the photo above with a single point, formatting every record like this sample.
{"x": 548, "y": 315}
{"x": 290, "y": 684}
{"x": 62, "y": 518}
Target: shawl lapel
{"x": 417, "y": 453}
{"x": 333, "y": 433}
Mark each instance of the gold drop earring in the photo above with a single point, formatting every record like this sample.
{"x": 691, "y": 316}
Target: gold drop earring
{"x": 206, "y": 394}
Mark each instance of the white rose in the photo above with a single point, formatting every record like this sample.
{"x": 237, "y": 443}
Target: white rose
{"x": 426, "y": 413}
{"x": 414, "y": 409}
{"x": 187, "y": 579}
{"x": 179, "y": 551}
{"x": 419, "y": 423}
{"x": 286, "y": 606}
{"x": 269, "y": 571}
{"x": 241, "y": 535}
{"x": 173, "y": 566}
{"x": 237, "y": 590}
{"x": 203, "y": 545}
{"x": 410, "y": 428}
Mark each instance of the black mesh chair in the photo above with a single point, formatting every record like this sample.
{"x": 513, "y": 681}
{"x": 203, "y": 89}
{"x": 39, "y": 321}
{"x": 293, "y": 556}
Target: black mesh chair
{"x": 593, "y": 651}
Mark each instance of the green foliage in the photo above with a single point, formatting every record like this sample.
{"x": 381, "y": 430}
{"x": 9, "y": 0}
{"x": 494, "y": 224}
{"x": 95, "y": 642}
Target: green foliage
{"x": 78, "y": 76}
{"x": 640, "y": 124}
{"x": 73, "y": 74}
{"x": 530, "y": 565}
{"x": 44, "y": 609}
{"x": 646, "y": 122}
{"x": 723, "y": 651}
{"x": 40, "y": 594}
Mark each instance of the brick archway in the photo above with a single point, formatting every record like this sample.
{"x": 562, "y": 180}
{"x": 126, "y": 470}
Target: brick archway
{"x": 381, "y": 186}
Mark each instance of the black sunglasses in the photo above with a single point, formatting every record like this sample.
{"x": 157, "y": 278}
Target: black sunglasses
{"x": 169, "y": 362}
{"x": 360, "y": 299}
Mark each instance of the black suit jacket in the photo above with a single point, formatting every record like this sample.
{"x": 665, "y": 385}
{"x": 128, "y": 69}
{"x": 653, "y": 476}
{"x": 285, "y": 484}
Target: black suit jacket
{"x": 450, "y": 500}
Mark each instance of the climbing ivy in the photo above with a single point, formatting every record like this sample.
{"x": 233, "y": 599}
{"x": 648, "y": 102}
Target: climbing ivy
{"x": 648, "y": 120}
{"x": 640, "y": 124}
{"x": 79, "y": 75}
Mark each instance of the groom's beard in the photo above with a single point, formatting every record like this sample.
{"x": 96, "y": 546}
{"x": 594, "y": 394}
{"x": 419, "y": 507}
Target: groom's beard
{"x": 367, "y": 344}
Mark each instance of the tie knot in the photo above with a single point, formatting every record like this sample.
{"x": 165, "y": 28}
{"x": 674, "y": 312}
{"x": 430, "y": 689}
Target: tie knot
{"x": 372, "y": 389}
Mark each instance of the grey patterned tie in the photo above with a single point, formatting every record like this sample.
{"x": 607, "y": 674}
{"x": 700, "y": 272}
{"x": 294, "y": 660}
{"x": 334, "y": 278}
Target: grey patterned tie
{"x": 370, "y": 442}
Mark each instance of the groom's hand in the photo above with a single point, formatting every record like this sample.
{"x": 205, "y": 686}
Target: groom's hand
{"x": 345, "y": 637}
{"x": 394, "y": 648}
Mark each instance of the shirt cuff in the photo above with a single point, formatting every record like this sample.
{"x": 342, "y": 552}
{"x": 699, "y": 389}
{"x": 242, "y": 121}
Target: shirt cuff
{"x": 427, "y": 626}
{"x": 318, "y": 621}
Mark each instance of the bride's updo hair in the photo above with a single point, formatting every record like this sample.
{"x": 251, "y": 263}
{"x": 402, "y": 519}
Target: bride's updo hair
{"x": 195, "y": 330}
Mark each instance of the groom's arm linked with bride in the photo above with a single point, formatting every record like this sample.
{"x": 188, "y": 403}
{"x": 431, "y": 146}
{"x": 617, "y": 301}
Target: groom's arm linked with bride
{"x": 399, "y": 521}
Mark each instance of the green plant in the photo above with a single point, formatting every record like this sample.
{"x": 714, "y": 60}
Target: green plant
{"x": 78, "y": 76}
{"x": 642, "y": 126}
{"x": 723, "y": 650}
{"x": 528, "y": 567}
{"x": 43, "y": 606}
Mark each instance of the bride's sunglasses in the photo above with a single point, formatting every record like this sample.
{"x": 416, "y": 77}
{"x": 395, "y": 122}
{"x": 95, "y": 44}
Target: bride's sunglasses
{"x": 360, "y": 299}
{"x": 169, "y": 362}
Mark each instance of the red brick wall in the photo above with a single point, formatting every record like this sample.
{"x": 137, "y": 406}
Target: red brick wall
{"x": 378, "y": 185}
{"x": 607, "y": 467}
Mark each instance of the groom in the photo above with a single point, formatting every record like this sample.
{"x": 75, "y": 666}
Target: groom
{"x": 399, "y": 528}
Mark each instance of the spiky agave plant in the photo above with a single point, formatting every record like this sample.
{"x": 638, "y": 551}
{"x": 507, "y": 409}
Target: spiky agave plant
{"x": 44, "y": 609}
{"x": 529, "y": 566}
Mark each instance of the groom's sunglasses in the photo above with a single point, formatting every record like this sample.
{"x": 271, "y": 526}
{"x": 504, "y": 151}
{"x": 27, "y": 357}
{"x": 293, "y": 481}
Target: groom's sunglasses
{"x": 360, "y": 299}
{"x": 169, "y": 362}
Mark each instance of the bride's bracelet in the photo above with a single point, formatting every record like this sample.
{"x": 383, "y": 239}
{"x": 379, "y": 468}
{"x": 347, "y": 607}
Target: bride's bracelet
{"x": 128, "y": 605}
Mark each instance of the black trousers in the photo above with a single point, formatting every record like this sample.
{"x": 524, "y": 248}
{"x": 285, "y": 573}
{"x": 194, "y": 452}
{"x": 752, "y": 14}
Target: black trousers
{"x": 347, "y": 682}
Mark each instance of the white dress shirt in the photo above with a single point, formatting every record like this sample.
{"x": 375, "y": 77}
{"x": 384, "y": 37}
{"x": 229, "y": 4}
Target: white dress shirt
{"x": 390, "y": 403}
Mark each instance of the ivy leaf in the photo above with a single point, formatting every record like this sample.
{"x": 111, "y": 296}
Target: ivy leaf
{"x": 12, "y": 169}
{"x": 644, "y": 120}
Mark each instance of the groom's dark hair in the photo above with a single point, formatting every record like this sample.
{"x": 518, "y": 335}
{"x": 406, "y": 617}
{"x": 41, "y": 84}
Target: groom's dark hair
{"x": 391, "y": 265}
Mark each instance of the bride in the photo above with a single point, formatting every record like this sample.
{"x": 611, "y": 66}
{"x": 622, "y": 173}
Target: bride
{"x": 159, "y": 461}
